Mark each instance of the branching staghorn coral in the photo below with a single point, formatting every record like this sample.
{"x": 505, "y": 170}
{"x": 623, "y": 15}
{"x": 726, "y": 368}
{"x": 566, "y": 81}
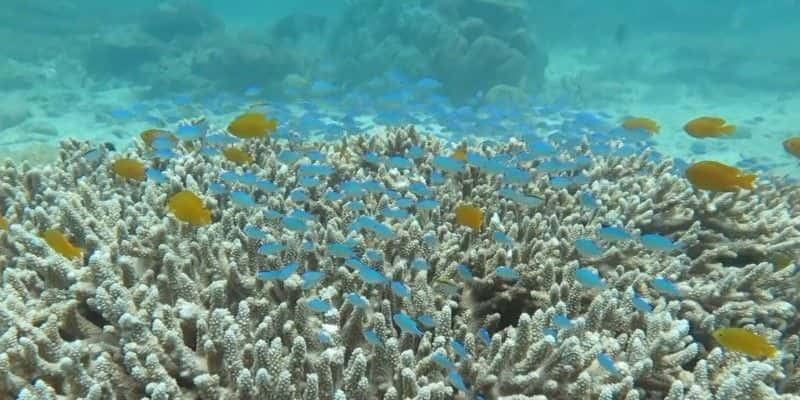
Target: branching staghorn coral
{"x": 161, "y": 309}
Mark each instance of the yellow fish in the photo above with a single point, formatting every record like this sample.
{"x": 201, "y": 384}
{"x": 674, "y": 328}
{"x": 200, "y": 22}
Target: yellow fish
{"x": 647, "y": 124}
{"x": 704, "y": 127}
{"x": 718, "y": 177}
{"x": 745, "y": 341}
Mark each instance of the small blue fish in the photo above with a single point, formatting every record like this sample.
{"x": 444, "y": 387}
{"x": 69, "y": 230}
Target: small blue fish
{"x": 289, "y": 156}
{"x": 280, "y": 275}
{"x": 309, "y": 181}
{"x": 430, "y": 239}
{"x": 464, "y": 272}
{"x": 613, "y": 233}
{"x": 209, "y": 151}
{"x": 374, "y": 255}
{"x": 608, "y": 364}
{"x": 357, "y": 300}
{"x": 341, "y": 250}
{"x": 156, "y": 175}
{"x": 502, "y": 237}
{"x": 588, "y": 248}
{"x": 399, "y": 162}
{"x": 243, "y": 199}
{"x": 333, "y": 196}
{"x": 400, "y": 289}
{"x": 656, "y": 242}
{"x": 294, "y": 224}
{"x": 427, "y": 204}
{"x": 267, "y": 185}
{"x": 217, "y": 188}
{"x": 189, "y": 132}
{"x": 270, "y": 248}
{"x": 448, "y": 164}
{"x": 666, "y": 287}
{"x": 641, "y": 304}
{"x": 420, "y": 189}
{"x": 550, "y": 331}
{"x": 272, "y": 215}
{"x": 396, "y": 213}
{"x": 562, "y": 321}
{"x": 405, "y": 202}
{"x": 443, "y": 360}
{"x": 427, "y": 320}
{"x": 372, "y": 337}
{"x": 415, "y": 152}
{"x": 457, "y": 381}
{"x": 372, "y": 276}
{"x": 299, "y": 195}
{"x": 589, "y": 278}
{"x": 506, "y": 273}
{"x": 229, "y": 177}
{"x": 324, "y": 337}
{"x": 460, "y": 349}
{"x": 437, "y": 178}
{"x": 254, "y": 232}
{"x": 312, "y": 278}
{"x": 319, "y": 305}
{"x": 406, "y": 324}
{"x": 485, "y": 336}
{"x": 356, "y": 205}
{"x": 420, "y": 264}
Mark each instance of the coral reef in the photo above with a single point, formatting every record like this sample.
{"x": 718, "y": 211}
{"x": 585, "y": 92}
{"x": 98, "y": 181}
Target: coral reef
{"x": 471, "y": 45}
{"x": 160, "y": 309}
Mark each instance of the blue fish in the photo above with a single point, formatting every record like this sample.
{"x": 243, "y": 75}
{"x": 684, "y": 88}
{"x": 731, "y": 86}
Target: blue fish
{"x": 562, "y": 321}
{"x": 280, "y": 275}
{"x": 485, "y": 336}
{"x": 656, "y": 242}
{"x": 243, "y": 199}
{"x": 341, "y": 250}
{"x": 427, "y": 204}
{"x": 319, "y": 305}
{"x": 588, "y": 248}
{"x": 405, "y": 202}
{"x": 460, "y": 349}
{"x": 289, "y": 156}
{"x": 406, "y": 324}
{"x": 666, "y": 286}
{"x": 217, "y": 188}
{"x": 399, "y": 162}
{"x": 298, "y": 195}
{"x": 374, "y": 255}
{"x": 357, "y": 300}
{"x": 324, "y": 337}
{"x": 270, "y": 248}
{"x": 607, "y": 362}
{"x": 229, "y": 177}
{"x": 457, "y": 381}
{"x": 312, "y": 278}
{"x": 156, "y": 175}
{"x": 396, "y": 213}
{"x": 588, "y": 200}
{"x": 272, "y": 215}
{"x": 294, "y": 224}
{"x": 333, "y": 196}
{"x": 506, "y": 273}
{"x": 427, "y": 320}
{"x": 436, "y": 178}
{"x": 209, "y": 151}
{"x": 372, "y": 337}
{"x": 448, "y": 164}
{"x": 189, "y": 132}
{"x": 420, "y": 189}
{"x": 356, "y": 205}
{"x": 372, "y": 276}
{"x": 267, "y": 185}
{"x": 315, "y": 170}
{"x": 641, "y": 304}
{"x": 401, "y": 290}
{"x": 254, "y": 232}
{"x": 502, "y": 237}
{"x": 589, "y": 278}
{"x": 420, "y": 264}
{"x": 613, "y": 233}
{"x": 415, "y": 152}
{"x": 443, "y": 360}
{"x": 464, "y": 272}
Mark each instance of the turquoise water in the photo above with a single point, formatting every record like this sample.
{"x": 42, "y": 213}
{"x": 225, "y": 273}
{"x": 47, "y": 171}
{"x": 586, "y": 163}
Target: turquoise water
{"x": 389, "y": 199}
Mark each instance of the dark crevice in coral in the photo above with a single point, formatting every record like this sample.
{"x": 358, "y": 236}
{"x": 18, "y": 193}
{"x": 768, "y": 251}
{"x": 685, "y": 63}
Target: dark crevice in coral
{"x": 91, "y": 315}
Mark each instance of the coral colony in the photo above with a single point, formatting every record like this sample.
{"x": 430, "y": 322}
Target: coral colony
{"x": 392, "y": 266}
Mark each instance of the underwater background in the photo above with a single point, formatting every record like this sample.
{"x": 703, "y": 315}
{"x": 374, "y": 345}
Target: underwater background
{"x": 389, "y": 199}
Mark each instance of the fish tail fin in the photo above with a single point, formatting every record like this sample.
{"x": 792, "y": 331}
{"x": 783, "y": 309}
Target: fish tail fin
{"x": 728, "y": 129}
{"x": 747, "y": 181}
